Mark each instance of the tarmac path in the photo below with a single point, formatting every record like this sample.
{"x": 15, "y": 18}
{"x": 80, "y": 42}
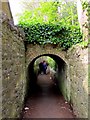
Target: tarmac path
{"x": 47, "y": 102}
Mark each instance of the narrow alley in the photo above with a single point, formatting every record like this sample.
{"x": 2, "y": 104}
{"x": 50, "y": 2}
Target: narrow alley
{"x": 34, "y": 31}
{"x": 46, "y": 101}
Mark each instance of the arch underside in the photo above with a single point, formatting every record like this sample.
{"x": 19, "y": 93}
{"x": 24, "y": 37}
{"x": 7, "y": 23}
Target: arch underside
{"x": 61, "y": 74}
{"x": 35, "y": 51}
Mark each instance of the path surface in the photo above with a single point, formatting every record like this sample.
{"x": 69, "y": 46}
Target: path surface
{"x": 47, "y": 102}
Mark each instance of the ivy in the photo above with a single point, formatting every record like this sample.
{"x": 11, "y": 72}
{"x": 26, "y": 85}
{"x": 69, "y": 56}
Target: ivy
{"x": 83, "y": 44}
{"x": 84, "y": 5}
{"x": 44, "y": 25}
{"x": 64, "y": 36}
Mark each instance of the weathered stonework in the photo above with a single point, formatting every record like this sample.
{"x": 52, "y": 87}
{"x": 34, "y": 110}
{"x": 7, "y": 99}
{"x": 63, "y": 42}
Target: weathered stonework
{"x": 13, "y": 70}
{"x": 78, "y": 63}
{"x": 0, "y": 68}
{"x": 6, "y": 8}
{"x": 72, "y": 75}
{"x": 34, "y": 51}
{"x": 64, "y": 81}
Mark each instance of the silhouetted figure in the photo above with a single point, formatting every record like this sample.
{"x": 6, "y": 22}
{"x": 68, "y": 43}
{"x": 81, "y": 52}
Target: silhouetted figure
{"x": 43, "y": 67}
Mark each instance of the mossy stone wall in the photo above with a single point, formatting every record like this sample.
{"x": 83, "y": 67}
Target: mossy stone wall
{"x": 78, "y": 64}
{"x": 73, "y": 74}
{"x": 13, "y": 70}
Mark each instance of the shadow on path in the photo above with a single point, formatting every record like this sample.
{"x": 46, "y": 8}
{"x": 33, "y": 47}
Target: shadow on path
{"x": 46, "y": 101}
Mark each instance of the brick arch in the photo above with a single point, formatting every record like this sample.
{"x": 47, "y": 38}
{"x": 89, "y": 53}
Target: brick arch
{"x": 33, "y": 51}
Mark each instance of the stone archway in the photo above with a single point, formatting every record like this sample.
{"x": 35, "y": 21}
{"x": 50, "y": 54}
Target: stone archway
{"x": 34, "y": 52}
{"x": 74, "y": 59}
{"x": 37, "y": 50}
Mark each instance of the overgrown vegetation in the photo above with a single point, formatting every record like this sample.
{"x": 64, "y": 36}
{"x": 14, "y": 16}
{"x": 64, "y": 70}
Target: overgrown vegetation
{"x": 52, "y": 64}
{"x": 52, "y": 22}
{"x": 84, "y": 5}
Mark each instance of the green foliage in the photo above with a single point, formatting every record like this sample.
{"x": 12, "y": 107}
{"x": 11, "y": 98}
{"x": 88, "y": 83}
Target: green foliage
{"x": 84, "y": 5}
{"x": 51, "y": 63}
{"x": 49, "y": 60}
{"x": 68, "y": 12}
{"x": 44, "y": 25}
{"x": 83, "y": 44}
{"x": 64, "y": 36}
{"x": 45, "y": 13}
{"x": 88, "y": 14}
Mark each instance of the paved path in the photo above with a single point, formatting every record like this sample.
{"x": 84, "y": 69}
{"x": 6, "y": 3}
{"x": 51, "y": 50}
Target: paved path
{"x": 47, "y": 102}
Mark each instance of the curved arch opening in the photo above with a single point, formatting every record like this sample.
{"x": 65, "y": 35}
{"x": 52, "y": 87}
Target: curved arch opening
{"x": 61, "y": 76}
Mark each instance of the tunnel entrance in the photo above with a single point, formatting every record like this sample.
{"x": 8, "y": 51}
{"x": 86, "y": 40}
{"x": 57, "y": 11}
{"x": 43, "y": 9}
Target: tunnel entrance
{"x": 32, "y": 72}
{"x": 44, "y": 95}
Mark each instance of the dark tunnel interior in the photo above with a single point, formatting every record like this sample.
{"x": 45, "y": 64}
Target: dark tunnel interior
{"x": 31, "y": 76}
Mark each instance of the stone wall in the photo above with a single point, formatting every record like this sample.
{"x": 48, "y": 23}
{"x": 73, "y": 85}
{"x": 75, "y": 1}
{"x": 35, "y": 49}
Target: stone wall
{"x": 0, "y": 68}
{"x": 13, "y": 70}
{"x": 64, "y": 81}
{"x": 6, "y": 8}
{"x": 78, "y": 63}
{"x": 72, "y": 74}
{"x": 35, "y": 51}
